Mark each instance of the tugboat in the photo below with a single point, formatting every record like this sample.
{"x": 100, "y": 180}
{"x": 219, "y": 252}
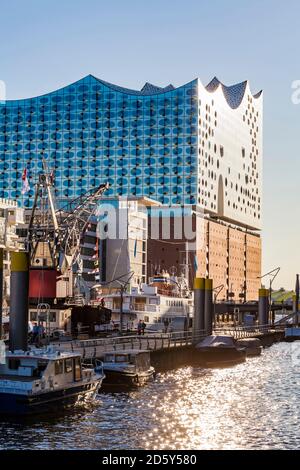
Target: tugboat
{"x": 218, "y": 351}
{"x": 38, "y": 380}
{"x": 127, "y": 369}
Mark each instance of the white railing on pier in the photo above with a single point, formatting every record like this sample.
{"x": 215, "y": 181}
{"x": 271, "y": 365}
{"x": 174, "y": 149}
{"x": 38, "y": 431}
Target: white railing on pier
{"x": 92, "y": 348}
{"x": 239, "y": 332}
{"x": 151, "y": 341}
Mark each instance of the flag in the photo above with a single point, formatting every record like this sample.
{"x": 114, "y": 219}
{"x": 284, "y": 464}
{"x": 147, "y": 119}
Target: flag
{"x": 25, "y": 182}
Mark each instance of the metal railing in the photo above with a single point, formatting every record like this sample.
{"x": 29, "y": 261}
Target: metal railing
{"x": 92, "y": 348}
{"x": 239, "y": 332}
{"x": 151, "y": 341}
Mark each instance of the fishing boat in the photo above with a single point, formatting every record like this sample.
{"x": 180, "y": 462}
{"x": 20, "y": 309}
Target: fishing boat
{"x": 219, "y": 350}
{"x": 127, "y": 369}
{"x": 38, "y": 380}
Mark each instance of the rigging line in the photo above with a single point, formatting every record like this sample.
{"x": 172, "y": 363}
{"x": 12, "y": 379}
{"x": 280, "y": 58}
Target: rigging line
{"x": 115, "y": 267}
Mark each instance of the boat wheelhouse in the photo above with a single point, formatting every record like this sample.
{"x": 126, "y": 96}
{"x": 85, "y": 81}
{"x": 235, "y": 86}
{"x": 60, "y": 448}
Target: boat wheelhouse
{"x": 129, "y": 368}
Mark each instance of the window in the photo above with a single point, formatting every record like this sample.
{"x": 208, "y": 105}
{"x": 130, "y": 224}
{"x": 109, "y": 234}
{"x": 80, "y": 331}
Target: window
{"x": 33, "y": 316}
{"x": 221, "y": 150}
{"x": 68, "y": 365}
{"x": 77, "y": 362}
{"x": 14, "y": 364}
{"x": 59, "y": 367}
{"x": 121, "y": 358}
{"x": 52, "y": 316}
{"x": 109, "y": 358}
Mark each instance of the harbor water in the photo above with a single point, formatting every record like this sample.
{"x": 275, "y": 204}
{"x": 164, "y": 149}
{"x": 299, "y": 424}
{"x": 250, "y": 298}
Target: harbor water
{"x": 254, "y": 405}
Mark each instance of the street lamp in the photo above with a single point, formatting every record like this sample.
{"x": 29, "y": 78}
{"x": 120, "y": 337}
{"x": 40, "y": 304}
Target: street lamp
{"x": 123, "y": 287}
{"x": 217, "y": 290}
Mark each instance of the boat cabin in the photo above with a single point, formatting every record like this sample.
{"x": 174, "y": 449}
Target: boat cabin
{"x": 138, "y": 358}
{"x": 47, "y": 369}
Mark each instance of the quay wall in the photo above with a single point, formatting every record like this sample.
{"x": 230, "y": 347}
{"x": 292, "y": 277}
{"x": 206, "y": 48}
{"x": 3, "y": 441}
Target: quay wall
{"x": 270, "y": 338}
{"x": 173, "y": 358}
{"x": 167, "y": 359}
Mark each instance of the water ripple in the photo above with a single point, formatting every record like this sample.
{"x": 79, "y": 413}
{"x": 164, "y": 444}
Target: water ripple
{"x": 254, "y": 405}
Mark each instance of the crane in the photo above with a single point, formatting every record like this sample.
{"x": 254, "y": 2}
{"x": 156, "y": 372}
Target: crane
{"x": 43, "y": 225}
{"x": 74, "y": 220}
{"x": 61, "y": 231}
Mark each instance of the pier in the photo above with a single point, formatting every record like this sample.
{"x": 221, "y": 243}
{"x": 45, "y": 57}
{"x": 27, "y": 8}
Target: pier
{"x": 169, "y": 350}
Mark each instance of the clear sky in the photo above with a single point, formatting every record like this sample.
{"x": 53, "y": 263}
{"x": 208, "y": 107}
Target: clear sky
{"x": 45, "y": 44}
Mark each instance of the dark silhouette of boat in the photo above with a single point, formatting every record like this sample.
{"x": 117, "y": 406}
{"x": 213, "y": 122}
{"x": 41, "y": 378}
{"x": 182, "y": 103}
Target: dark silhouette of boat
{"x": 219, "y": 350}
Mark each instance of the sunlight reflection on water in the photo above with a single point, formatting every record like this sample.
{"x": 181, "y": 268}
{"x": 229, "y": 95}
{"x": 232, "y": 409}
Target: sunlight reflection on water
{"x": 252, "y": 405}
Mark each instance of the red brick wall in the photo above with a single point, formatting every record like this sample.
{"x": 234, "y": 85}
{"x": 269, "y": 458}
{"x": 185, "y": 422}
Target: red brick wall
{"x": 220, "y": 255}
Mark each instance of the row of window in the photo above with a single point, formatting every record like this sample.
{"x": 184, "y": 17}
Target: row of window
{"x": 99, "y": 111}
{"x": 62, "y": 195}
{"x": 71, "y": 95}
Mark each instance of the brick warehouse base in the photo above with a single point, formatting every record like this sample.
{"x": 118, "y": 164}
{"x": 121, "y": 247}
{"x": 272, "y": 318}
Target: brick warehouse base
{"x": 229, "y": 256}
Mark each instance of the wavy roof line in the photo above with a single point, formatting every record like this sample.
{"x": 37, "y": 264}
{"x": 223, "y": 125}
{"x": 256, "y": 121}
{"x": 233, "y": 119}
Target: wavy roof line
{"x": 147, "y": 89}
{"x": 233, "y": 94}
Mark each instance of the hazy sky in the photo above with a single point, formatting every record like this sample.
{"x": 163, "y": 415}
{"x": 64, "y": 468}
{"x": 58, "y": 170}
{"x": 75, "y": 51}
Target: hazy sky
{"x": 50, "y": 43}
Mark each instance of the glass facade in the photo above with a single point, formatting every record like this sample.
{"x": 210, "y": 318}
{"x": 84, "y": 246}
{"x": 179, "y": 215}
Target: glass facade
{"x": 144, "y": 143}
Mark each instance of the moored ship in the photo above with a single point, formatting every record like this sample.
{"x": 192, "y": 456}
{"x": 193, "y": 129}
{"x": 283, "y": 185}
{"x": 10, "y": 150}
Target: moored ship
{"x": 40, "y": 380}
{"x": 164, "y": 299}
{"x": 127, "y": 369}
{"x": 219, "y": 350}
